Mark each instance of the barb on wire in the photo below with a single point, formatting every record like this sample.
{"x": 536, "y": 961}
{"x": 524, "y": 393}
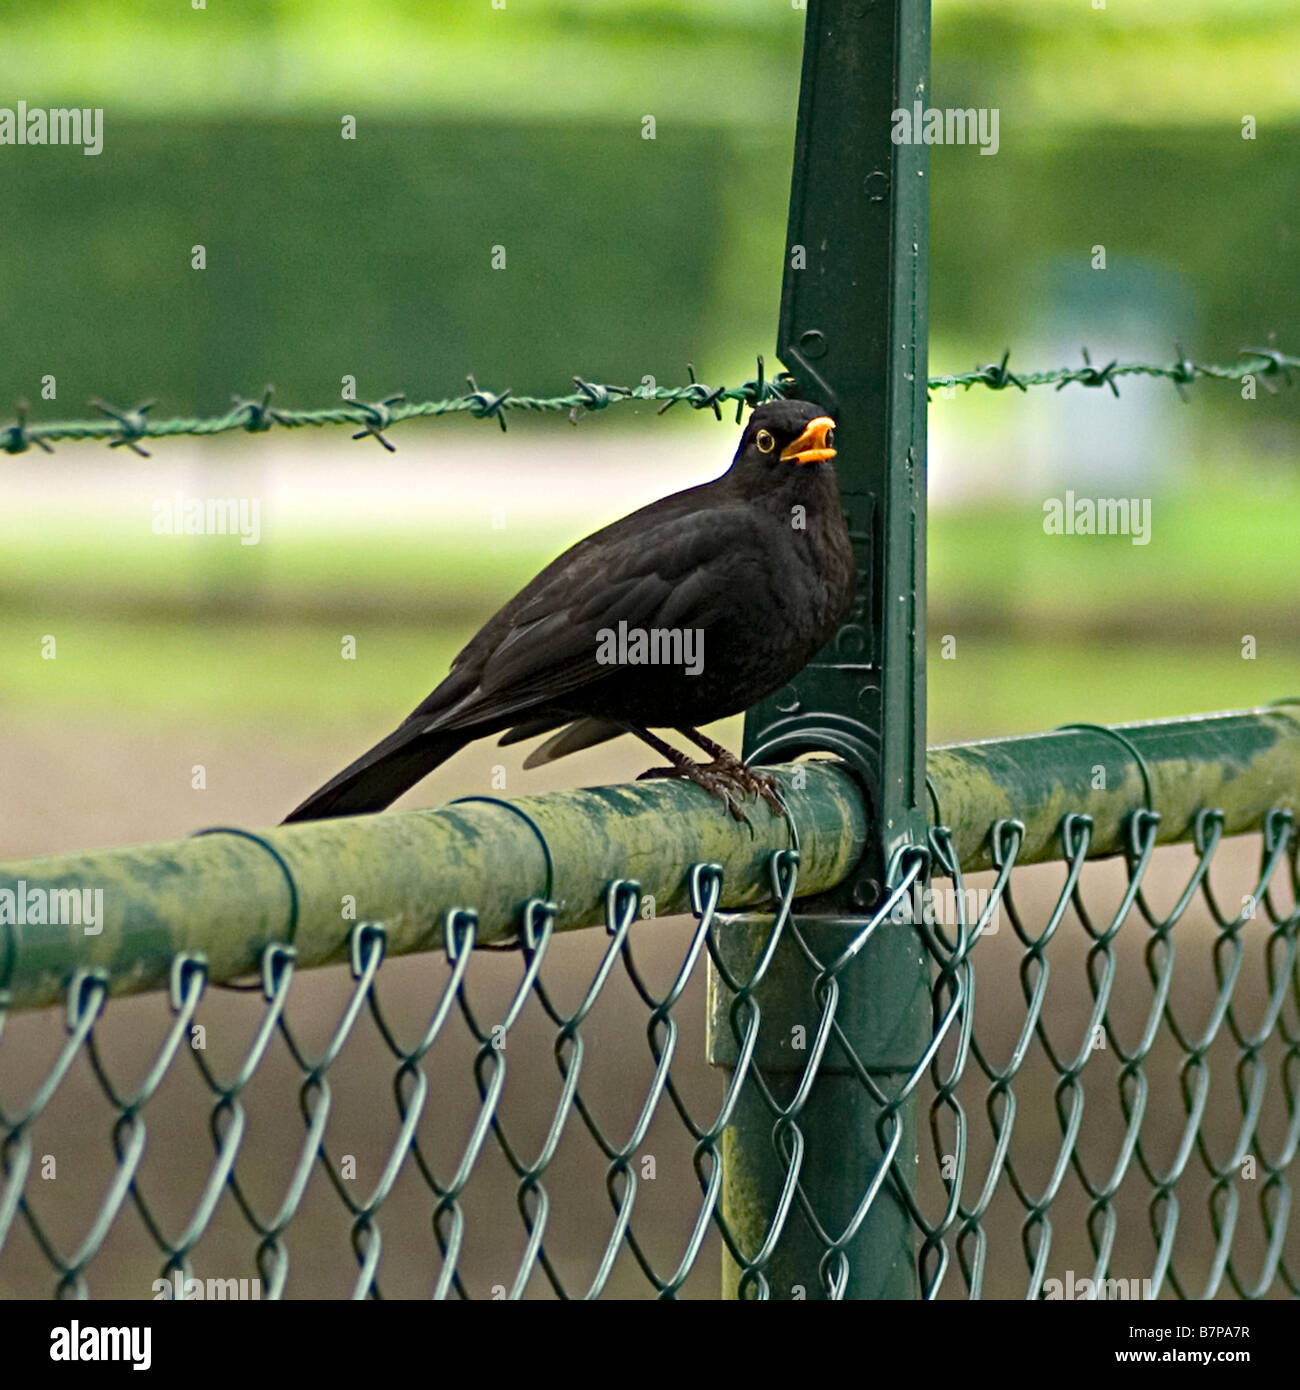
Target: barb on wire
{"x": 1264, "y": 363}
{"x": 16, "y": 437}
{"x": 128, "y": 427}
{"x": 258, "y": 414}
{"x": 380, "y": 417}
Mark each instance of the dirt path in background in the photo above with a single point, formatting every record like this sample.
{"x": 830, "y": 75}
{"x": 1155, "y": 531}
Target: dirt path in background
{"x": 70, "y": 787}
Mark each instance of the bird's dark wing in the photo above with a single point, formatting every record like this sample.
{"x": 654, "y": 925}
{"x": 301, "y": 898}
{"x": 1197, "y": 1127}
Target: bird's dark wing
{"x": 543, "y": 645}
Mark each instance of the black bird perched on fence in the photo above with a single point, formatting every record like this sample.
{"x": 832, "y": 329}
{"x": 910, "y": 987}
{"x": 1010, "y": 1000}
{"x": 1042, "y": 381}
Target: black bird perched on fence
{"x": 684, "y": 612}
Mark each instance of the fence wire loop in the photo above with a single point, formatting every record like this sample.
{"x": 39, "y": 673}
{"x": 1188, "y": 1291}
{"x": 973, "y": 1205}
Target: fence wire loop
{"x": 516, "y": 810}
{"x": 459, "y": 929}
{"x": 186, "y": 968}
{"x": 1129, "y": 747}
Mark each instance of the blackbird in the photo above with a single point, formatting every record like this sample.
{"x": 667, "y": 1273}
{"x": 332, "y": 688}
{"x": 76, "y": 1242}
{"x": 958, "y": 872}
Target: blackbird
{"x": 686, "y": 611}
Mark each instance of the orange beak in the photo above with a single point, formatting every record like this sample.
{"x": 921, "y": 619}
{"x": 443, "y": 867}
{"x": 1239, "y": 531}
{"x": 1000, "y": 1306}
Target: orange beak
{"x": 814, "y": 444}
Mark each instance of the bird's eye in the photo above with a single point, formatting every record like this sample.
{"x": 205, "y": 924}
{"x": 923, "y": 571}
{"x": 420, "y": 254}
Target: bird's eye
{"x": 830, "y": 439}
{"x": 765, "y": 441}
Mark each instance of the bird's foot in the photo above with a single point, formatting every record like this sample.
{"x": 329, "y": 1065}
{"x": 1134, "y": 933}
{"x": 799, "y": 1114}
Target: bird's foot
{"x": 720, "y": 779}
{"x": 755, "y": 783}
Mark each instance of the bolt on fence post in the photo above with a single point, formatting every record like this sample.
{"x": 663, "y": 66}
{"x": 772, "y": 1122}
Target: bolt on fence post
{"x": 853, "y": 335}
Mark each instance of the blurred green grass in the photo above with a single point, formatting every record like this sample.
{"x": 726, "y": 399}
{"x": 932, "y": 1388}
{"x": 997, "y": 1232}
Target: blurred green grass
{"x": 1215, "y": 544}
{"x": 732, "y": 61}
{"x": 125, "y": 672}
{"x": 1220, "y": 545}
{"x": 1051, "y": 628}
{"x": 120, "y": 673}
{"x": 79, "y": 564}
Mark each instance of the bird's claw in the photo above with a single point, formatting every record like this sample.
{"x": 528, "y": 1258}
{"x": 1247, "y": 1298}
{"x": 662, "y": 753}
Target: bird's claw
{"x": 754, "y": 782}
{"x": 763, "y": 785}
{"x": 728, "y": 780}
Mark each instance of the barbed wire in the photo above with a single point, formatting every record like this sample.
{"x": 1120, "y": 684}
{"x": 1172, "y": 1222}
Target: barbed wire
{"x": 1261, "y": 362}
{"x": 126, "y": 428}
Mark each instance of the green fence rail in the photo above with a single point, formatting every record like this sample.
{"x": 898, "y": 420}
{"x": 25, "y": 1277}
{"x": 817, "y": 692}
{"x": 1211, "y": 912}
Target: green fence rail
{"x": 533, "y": 1169}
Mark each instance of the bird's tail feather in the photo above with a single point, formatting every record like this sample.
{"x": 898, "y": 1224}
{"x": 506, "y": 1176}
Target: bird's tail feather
{"x": 582, "y": 733}
{"x": 380, "y": 776}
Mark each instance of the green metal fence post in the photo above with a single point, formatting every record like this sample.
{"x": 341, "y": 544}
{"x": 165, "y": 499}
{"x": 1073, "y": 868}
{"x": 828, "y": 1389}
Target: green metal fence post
{"x": 853, "y": 334}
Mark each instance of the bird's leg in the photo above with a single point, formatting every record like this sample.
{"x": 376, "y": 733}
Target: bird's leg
{"x": 755, "y": 783}
{"x": 716, "y": 779}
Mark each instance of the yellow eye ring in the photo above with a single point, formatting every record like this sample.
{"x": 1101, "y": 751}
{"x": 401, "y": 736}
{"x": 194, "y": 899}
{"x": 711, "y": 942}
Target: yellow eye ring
{"x": 765, "y": 441}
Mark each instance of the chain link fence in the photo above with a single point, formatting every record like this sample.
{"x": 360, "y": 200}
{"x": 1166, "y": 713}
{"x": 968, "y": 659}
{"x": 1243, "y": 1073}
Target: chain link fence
{"x": 1102, "y": 1069}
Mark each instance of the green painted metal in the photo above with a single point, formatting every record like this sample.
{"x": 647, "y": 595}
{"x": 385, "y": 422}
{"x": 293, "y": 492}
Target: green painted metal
{"x": 887, "y": 1023}
{"x": 853, "y": 334}
{"x": 229, "y": 894}
{"x": 1243, "y": 764}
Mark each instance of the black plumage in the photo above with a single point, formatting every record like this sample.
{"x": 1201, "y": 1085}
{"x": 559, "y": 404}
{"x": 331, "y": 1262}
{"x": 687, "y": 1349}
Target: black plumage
{"x": 758, "y": 564}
